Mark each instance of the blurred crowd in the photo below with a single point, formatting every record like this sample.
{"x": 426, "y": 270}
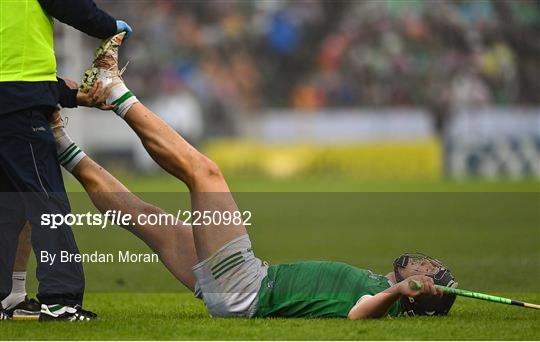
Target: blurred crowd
{"x": 243, "y": 55}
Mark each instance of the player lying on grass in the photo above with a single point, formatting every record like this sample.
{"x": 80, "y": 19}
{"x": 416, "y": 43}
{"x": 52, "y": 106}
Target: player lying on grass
{"x": 216, "y": 261}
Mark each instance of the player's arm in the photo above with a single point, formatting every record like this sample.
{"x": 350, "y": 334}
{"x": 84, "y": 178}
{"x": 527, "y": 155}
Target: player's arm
{"x": 377, "y": 306}
{"x": 83, "y": 15}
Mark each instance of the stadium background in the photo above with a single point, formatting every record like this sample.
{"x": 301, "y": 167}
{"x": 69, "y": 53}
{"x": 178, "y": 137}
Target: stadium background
{"x": 386, "y": 89}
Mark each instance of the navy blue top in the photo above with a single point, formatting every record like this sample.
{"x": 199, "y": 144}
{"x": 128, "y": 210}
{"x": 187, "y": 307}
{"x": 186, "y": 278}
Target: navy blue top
{"x": 83, "y": 15}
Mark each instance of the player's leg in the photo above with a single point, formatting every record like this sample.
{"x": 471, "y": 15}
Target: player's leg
{"x": 11, "y": 222}
{"x": 228, "y": 274}
{"x": 28, "y": 157}
{"x": 17, "y": 304}
{"x": 209, "y": 191}
{"x": 24, "y": 248}
{"x": 174, "y": 243}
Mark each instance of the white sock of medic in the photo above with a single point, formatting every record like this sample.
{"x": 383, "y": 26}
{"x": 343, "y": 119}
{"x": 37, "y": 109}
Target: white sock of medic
{"x": 18, "y": 291}
{"x": 122, "y": 98}
{"x": 69, "y": 154}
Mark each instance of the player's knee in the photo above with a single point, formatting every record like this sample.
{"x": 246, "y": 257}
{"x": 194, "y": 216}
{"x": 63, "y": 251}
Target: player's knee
{"x": 201, "y": 171}
{"x": 210, "y": 168}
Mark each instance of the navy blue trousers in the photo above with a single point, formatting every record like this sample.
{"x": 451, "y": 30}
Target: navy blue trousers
{"x": 31, "y": 184}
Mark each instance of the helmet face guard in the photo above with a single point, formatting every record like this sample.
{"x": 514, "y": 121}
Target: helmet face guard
{"x": 441, "y": 276}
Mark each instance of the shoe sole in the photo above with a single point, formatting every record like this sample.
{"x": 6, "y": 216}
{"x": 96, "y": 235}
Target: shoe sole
{"x": 25, "y": 317}
{"x": 47, "y": 318}
{"x": 90, "y": 75}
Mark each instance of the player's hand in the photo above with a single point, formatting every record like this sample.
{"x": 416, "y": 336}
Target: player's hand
{"x": 122, "y": 26}
{"x": 95, "y": 97}
{"x": 427, "y": 287}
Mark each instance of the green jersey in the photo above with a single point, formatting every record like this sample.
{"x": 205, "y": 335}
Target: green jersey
{"x": 317, "y": 289}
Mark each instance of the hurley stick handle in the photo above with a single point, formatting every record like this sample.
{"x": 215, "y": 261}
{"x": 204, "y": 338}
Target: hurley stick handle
{"x": 486, "y": 297}
{"x": 417, "y": 285}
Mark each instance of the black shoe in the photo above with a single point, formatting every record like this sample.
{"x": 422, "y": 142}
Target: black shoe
{"x": 27, "y": 310}
{"x": 3, "y": 315}
{"x": 58, "y": 312}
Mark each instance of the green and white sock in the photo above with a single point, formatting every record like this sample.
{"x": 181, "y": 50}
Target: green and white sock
{"x": 122, "y": 98}
{"x": 69, "y": 154}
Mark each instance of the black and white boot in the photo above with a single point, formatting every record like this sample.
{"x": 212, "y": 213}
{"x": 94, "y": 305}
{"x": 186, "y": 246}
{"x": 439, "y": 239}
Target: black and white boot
{"x": 58, "y": 312}
{"x": 27, "y": 310}
{"x": 3, "y": 315}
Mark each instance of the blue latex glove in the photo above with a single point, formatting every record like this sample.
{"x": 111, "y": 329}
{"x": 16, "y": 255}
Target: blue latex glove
{"x": 122, "y": 26}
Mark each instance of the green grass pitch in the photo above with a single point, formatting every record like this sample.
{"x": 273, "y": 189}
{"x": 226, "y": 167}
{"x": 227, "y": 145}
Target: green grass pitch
{"x": 488, "y": 232}
{"x": 180, "y": 317}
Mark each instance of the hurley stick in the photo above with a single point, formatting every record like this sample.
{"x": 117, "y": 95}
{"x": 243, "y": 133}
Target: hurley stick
{"x": 417, "y": 285}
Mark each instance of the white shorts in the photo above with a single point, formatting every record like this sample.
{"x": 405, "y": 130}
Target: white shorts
{"x": 229, "y": 280}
